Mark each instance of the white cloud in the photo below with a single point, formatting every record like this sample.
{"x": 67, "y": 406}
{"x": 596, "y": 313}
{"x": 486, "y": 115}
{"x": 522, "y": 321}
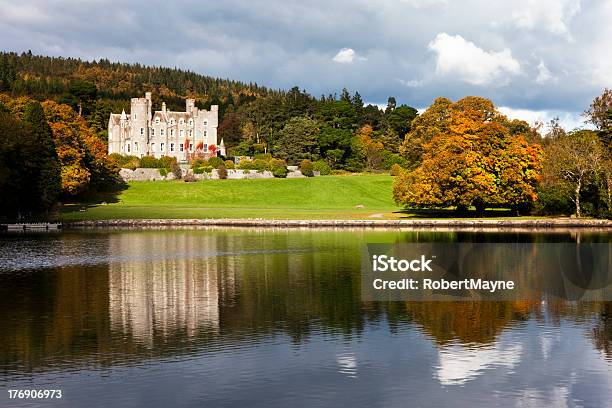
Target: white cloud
{"x": 459, "y": 364}
{"x": 412, "y": 83}
{"x": 567, "y": 120}
{"x": 463, "y": 59}
{"x": 551, "y": 15}
{"x": 346, "y": 56}
{"x": 544, "y": 74}
{"x": 424, "y": 3}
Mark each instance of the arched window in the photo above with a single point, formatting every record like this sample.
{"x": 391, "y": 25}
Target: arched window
{"x": 171, "y": 122}
{"x": 190, "y": 122}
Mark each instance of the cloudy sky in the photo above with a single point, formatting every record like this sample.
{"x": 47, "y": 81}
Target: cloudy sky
{"x": 535, "y": 58}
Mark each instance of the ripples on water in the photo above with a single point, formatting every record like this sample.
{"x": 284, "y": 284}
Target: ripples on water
{"x": 269, "y": 318}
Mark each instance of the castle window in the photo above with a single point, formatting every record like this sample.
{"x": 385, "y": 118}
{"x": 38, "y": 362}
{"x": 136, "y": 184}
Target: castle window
{"x": 182, "y": 132}
{"x": 161, "y": 132}
{"x": 190, "y": 133}
{"x": 181, "y": 121}
{"x": 157, "y": 120}
{"x": 162, "y": 146}
{"x": 171, "y": 132}
{"x": 152, "y": 132}
{"x": 127, "y": 147}
{"x": 142, "y": 131}
{"x": 171, "y": 121}
{"x": 190, "y": 122}
{"x": 205, "y": 133}
{"x": 135, "y": 146}
{"x": 152, "y": 147}
{"x": 191, "y": 147}
{"x": 171, "y": 147}
{"x": 205, "y": 123}
{"x": 205, "y": 147}
{"x": 181, "y": 147}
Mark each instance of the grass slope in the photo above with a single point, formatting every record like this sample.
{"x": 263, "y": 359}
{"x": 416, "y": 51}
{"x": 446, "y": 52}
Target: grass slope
{"x": 328, "y": 197}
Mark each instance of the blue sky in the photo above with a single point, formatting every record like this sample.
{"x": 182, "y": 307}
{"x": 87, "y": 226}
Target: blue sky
{"x": 535, "y": 58}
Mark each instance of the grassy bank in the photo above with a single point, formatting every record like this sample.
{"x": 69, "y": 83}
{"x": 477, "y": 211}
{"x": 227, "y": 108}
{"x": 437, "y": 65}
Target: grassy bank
{"x": 328, "y": 197}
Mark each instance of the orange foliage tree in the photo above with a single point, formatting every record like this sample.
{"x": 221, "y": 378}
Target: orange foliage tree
{"x": 476, "y": 158}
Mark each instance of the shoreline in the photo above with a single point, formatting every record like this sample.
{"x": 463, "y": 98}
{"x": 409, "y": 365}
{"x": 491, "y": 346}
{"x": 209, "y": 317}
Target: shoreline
{"x": 418, "y": 223}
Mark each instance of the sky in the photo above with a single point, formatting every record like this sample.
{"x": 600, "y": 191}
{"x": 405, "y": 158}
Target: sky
{"x": 536, "y": 59}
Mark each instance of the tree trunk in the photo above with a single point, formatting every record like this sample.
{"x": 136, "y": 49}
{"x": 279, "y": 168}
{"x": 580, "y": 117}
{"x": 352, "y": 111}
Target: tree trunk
{"x": 80, "y": 109}
{"x": 577, "y": 197}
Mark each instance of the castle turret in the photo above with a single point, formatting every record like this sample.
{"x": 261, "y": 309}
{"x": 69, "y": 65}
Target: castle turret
{"x": 189, "y": 105}
{"x": 140, "y": 117}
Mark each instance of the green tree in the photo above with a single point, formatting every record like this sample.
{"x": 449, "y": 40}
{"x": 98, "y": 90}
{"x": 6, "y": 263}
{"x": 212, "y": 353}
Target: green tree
{"x": 573, "y": 162}
{"x": 85, "y": 94}
{"x": 600, "y": 115}
{"x": 46, "y": 179}
{"x": 298, "y": 140}
{"x": 400, "y": 119}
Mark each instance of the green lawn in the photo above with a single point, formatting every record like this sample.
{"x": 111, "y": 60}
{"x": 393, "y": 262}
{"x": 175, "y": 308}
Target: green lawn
{"x": 327, "y": 197}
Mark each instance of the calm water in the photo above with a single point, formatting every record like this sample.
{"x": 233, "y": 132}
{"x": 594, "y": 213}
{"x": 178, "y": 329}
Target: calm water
{"x": 193, "y": 318}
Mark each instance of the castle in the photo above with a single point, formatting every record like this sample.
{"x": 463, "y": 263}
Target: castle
{"x": 164, "y": 133}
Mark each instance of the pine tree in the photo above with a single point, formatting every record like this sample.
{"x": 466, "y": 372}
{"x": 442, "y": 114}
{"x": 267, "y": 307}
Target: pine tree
{"x": 44, "y": 167}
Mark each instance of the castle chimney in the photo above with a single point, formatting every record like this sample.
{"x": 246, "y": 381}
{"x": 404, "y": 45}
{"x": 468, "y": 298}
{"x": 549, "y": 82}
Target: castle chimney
{"x": 164, "y": 107}
{"x": 189, "y": 105}
{"x": 148, "y": 96}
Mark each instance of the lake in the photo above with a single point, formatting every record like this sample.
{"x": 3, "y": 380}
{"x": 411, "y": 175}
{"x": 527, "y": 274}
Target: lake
{"x": 262, "y": 317}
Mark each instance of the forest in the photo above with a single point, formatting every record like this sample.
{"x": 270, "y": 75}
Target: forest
{"x": 462, "y": 154}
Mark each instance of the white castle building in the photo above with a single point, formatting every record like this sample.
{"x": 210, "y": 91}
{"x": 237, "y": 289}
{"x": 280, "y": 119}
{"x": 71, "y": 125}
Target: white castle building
{"x": 164, "y": 133}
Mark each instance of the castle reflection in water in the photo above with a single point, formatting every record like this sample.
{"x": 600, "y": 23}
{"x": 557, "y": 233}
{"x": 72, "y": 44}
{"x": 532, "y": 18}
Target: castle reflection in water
{"x": 163, "y": 296}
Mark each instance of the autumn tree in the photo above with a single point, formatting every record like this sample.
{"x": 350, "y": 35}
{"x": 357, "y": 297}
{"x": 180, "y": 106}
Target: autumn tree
{"x": 433, "y": 121}
{"x": 473, "y": 159}
{"x": 368, "y": 148}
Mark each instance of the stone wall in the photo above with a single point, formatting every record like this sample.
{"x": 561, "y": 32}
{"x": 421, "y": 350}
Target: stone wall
{"x": 154, "y": 174}
{"x": 527, "y": 225}
{"x": 144, "y": 175}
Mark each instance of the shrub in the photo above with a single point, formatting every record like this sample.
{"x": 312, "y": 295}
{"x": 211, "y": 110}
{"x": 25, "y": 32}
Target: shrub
{"x": 215, "y": 162}
{"x": 306, "y": 168}
{"x": 389, "y": 159}
{"x": 149, "y": 162}
{"x": 166, "y": 162}
{"x": 189, "y": 178}
{"x": 176, "y": 169}
{"x": 163, "y": 171}
{"x": 198, "y": 170}
{"x": 246, "y": 164}
{"x": 278, "y": 168}
{"x": 396, "y": 170}
{"x": 198, "y": 163}
{"x": 322, "y": 167}
{"x": 124, "y": 161}
{"x": 229, "y": 164}
{"x": 222, "y": 172}
{"x": 263, "y": 156}
{"x": 260, "y": 165}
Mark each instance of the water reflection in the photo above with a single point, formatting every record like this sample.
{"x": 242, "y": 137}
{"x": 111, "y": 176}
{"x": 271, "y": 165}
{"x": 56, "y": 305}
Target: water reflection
{"x": 229, "y": 316}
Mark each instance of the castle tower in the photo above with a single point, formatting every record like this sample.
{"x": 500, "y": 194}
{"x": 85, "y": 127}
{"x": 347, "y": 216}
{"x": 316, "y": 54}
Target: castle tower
{"x": 189, "y": 105}
{"x": 140, "y": 118}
